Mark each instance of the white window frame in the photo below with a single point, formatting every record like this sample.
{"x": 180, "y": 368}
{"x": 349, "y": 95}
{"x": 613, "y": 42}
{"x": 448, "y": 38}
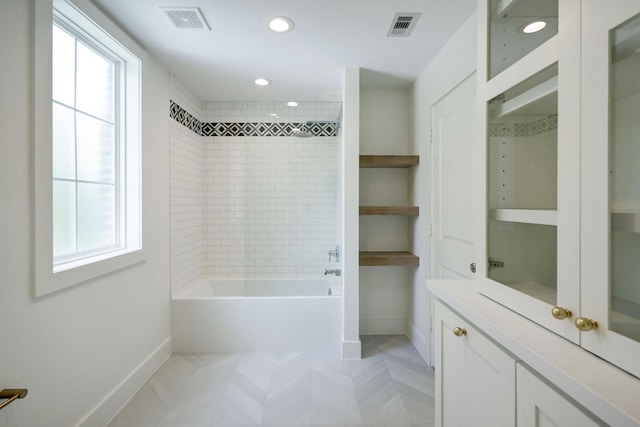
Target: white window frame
{"x": 87, "y": 20}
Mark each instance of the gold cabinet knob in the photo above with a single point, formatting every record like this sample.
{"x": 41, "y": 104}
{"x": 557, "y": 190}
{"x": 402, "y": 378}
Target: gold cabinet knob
{"x": 560, "y": 313}
{"x": 585, "y": 324}
{"x": 458, "y": 331}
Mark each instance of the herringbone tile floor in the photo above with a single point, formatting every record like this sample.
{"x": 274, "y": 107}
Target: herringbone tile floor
{"x": 390, "y": 386}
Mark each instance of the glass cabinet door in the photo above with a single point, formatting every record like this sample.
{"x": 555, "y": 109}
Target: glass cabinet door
{"x": 522, "y": 160}
{"x": 516, "y": 27}
{"x": 610, "y": 291}
{"x": 531, "y": 101}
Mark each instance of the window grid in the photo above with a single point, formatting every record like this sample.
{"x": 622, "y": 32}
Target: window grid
{"x": 117, "y": 207}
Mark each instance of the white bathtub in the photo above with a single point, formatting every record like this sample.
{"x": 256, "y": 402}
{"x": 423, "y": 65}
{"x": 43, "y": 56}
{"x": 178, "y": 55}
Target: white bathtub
{"x": 257, "y": 315}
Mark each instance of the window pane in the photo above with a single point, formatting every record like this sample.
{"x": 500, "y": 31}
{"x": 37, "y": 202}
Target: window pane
{"x": 95, "y": 149}
{"x": 95, "y": 84}
{"x": 96, "y": 206}
{"x": 64, "y": 218}
{"x": 64, "y": 152}
{"x": 63, "y": 72}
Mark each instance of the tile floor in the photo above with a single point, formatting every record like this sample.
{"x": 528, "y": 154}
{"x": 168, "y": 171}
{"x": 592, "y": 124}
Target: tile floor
{"x": 390, "y": 386}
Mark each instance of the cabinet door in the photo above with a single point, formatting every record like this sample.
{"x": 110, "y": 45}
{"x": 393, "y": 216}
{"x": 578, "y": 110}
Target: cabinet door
{"x": 475, "y": 379}
{"x": 532, "y": 153}
{"x": 610, "y": 196}
{"x": 540, "y": 405}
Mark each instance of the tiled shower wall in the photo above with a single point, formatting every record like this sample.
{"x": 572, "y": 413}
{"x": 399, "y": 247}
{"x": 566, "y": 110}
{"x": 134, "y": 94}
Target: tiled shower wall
{"x": 186, "y": 194}
{"x": 270, "y": 202}
{"x": 252, "y": 206}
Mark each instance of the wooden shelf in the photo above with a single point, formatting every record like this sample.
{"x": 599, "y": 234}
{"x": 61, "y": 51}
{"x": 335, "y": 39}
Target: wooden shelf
{"x": 388, "y": 161}
{"x": 388, "y": 258}
{"x": 390, "y": 210}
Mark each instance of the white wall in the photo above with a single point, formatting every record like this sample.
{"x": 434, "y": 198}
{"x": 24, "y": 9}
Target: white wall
{"x": 452, "y": 65}
{"x": 351, "y": 346}
{"x": 73, "y": 348}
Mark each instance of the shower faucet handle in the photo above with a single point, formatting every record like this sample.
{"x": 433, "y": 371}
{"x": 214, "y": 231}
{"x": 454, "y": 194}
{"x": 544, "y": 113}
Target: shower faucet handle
{"x": 335, "y": 253}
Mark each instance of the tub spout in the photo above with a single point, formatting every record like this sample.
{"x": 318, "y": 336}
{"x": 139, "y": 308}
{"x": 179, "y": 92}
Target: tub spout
{"x": 335, "y": 272}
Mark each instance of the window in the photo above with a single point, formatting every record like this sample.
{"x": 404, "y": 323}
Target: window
{"x": 86, "y": 214}
{"x": 87, "y": 148}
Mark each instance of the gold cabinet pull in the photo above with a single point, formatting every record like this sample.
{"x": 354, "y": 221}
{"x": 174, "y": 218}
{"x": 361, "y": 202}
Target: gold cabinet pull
{"x": 585, "y": 324}
{"x": 458, "y": 331}
{"x": 11, "y": 394}
{"x": 560, "y": 313}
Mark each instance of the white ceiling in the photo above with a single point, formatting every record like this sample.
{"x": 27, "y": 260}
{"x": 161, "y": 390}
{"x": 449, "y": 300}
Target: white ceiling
{"x": 304, "y": 64}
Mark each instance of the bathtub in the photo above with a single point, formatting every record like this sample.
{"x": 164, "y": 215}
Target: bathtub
{"x": 217, "y": 316}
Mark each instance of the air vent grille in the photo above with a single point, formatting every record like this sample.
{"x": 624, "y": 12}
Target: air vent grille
{"x": 185, "y": 17}
{"x": 403, "y": 24}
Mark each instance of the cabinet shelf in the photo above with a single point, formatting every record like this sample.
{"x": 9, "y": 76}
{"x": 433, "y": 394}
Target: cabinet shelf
{"x": 528, "y": 216}
{"x": 389, "y": 161}
{"x": 390, "y": 210}
{"x": 539, "y": 100}
{"x": 625, "y": 221}
{"x": 388, "y": 258}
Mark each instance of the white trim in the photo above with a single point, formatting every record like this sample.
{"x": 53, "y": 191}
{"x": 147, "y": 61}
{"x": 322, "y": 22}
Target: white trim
{"x": 351, "y": 350}
{"x": 419, "y": 342}
{"x": 113, "y": 403}
{"x": 98, "y": 26}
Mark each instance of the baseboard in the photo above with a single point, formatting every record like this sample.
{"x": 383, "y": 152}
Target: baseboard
{"x": 383, "y": 326}
{"x": 106, "y": 410}
{"x": 351, "y": 350}
{"x": 420, "y": 342}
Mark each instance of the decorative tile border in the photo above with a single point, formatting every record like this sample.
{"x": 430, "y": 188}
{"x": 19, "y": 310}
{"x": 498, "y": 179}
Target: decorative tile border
{"x": 315, "y": 128}
{"x": 537, "y": 127}
{"x": 181, "y": 115}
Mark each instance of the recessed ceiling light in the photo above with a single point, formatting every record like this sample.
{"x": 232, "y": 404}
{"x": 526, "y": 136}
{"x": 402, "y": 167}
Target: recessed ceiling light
{"x": 262, "y": 82}
{"x": 533, "y": 26}
{"x": 292, "y": 104}
{"x": 281, "y": 24}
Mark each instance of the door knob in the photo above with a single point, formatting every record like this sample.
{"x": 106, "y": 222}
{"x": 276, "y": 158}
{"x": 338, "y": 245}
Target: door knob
{"x": 458, "y": 331}
{"x": 585, "y": 324}
{"x": 472, "y": 267}
{"x": 560, "y": 313}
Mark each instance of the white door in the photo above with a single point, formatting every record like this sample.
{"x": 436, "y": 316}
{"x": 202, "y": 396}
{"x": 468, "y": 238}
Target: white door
{"x": 452, "y": 124}
{"x": 539, "y": 405}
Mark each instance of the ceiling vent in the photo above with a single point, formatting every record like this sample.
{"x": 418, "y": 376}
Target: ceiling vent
{"x": 403, "y": 24}
{"x": 185, "y": 17}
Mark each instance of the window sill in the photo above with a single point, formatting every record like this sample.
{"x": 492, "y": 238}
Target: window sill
{"x": 48, "y": 282}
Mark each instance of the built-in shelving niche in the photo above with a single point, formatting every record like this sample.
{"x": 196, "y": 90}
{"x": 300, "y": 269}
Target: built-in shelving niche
{"x": 389, "y": 258}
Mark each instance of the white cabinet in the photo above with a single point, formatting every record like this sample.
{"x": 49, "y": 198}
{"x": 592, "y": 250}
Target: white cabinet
{"x": 475, "y": 380}
{"x": 541, "y": 405}
{"x": 562, "y": 182}
{"x": 481, "y": 383}
{"x": 501, "y": 369}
